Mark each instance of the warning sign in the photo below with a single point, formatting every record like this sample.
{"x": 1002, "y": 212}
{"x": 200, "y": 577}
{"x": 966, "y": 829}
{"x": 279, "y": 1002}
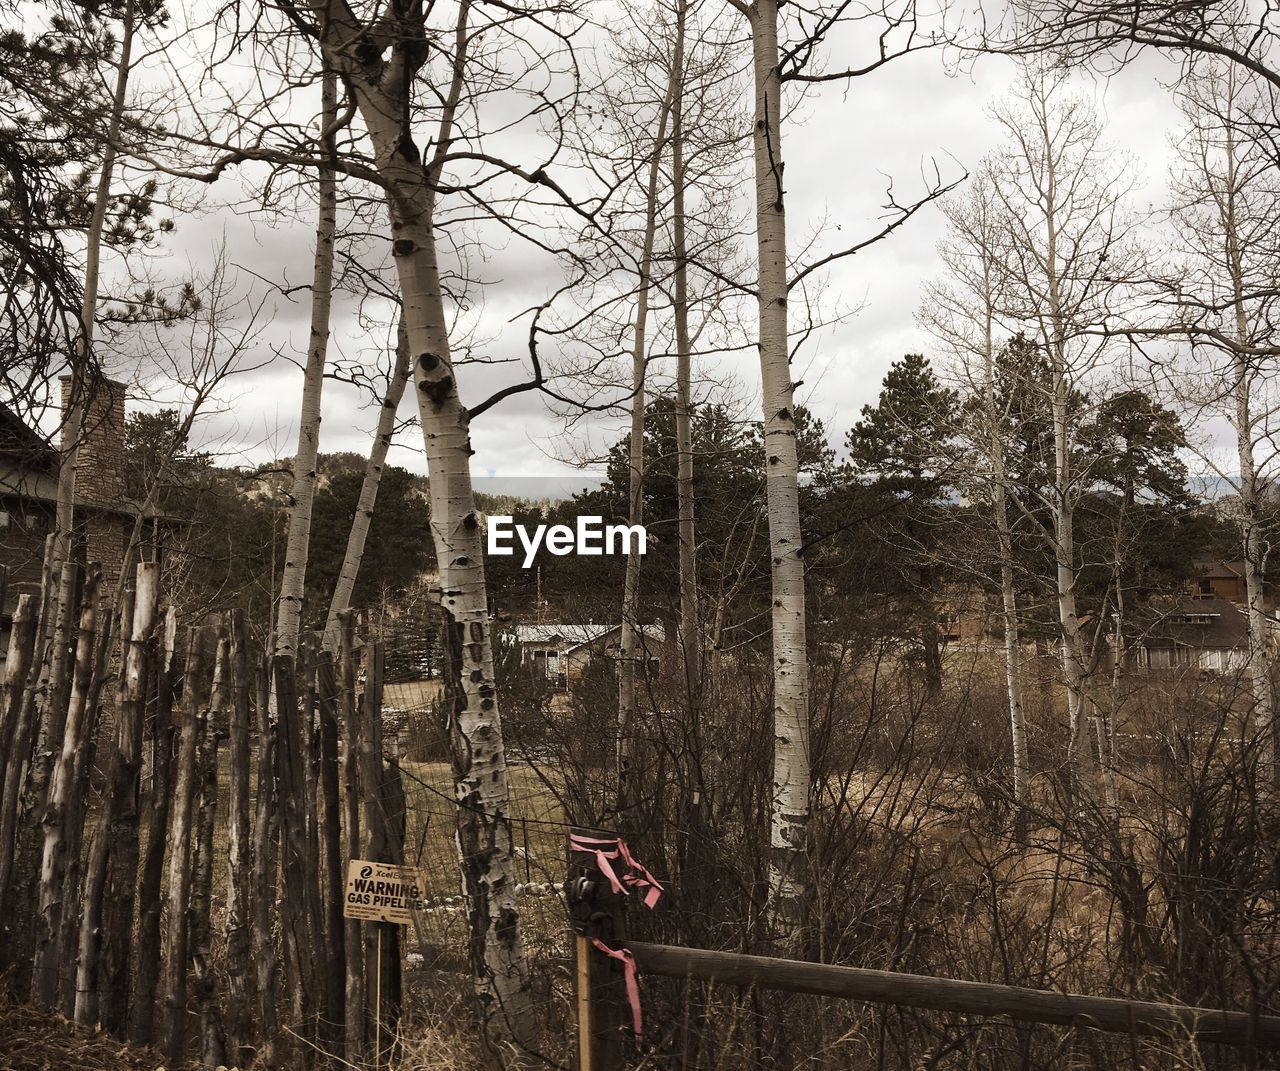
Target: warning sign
{"x": 381, "y": 892}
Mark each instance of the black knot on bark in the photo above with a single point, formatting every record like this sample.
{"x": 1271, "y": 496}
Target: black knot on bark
{"x": 437, "y": 390}
{"x": 470, "y": 522}
{"x": 774, "y": 459}
{"x": 477, "y": 676}
{"x": 428, "y": 361}
{"x": 408, "y": 149}
{"x": 784, "y": 414}
{"x": 403, "y": 247}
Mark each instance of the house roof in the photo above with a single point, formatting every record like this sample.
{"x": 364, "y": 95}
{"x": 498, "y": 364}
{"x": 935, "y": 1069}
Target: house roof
{"x": 22, "y": 444}
{"x": 574, "y": 636}
{"x": 1209, "y": 623}
{"x": 1220, "y": 570}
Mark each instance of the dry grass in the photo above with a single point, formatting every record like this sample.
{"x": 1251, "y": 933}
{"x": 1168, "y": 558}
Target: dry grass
{"x": 34, "y": 1040}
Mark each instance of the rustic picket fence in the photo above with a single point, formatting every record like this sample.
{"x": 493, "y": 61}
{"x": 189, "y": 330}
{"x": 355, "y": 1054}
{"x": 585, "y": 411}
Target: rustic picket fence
{"x": 176, "y": 816}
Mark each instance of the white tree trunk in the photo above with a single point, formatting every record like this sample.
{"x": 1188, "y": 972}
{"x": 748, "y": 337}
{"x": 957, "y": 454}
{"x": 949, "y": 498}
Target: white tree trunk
{"x": 627, "y": 655}
{"x": 293, "y": 577}
{"x": 73, "y": 419}
{"x": 790, "y": 796}
{"x": 690, "y": 635}
{"x": 500, "y": 967}
{"x": 359, "y": 532}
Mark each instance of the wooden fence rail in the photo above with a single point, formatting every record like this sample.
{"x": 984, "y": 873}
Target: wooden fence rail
{"x": 597, "y": 911}
{"x": 1108, "y": 1014}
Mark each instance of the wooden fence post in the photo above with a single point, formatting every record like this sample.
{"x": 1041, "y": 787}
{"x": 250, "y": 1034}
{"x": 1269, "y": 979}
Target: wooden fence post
{"x": 239, "y": 1012}
{"x": 335, "y": 969}
{"x": 264, "y": 861}
{"x": 62, "y": 805}
{"x": 294, "y": 865}
{"x": 354, "y": 994}
{"x": 195, "y": 694}
{"x": 204, "y": 983}
{"x": 122, "y": 863}
{"x": 73, "y": 899}
{"x": 142, "y": 1013}
{"x": 599, "y": 981}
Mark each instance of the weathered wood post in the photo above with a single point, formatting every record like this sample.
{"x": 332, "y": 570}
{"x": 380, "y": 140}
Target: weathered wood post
{"x": 142, "y": 1012}
{"x": 264, "y": 861}
{"x": 238, "y": 1021}
{"x": 350, "y": 711}
{"x": 85, "y": 987}
{"x": 61, "y": 804}
{"x": 335, "y": 968}
{"x": 597, "y": 913}
{"x": 73, "y": 898}
{"x": 294, "y": 865}
{"x": 213, "y": 1046}
{"x": 126, "y": 764}
{"x": 195, "y": 695}
{"x": 382, "y": 939}
{"x": 22, "y": 640}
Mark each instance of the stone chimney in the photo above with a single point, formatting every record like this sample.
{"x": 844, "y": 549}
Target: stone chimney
{"x": 100, "y": 462}
{"x": 101, "y": 511}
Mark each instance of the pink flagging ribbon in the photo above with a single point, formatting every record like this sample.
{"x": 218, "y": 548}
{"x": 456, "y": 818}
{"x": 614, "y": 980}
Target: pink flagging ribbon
{"x": 634, "y": 877}
{"x": 628, "y": 961}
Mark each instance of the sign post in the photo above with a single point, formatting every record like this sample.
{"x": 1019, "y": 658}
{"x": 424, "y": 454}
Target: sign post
{"x": 386, "y": 895}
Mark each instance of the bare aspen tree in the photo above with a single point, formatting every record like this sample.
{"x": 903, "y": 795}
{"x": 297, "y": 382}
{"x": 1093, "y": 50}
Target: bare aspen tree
{"x": 771, "y": 67}
{"x": 302, "y": 490}
{"x": 381, "y": 62}
{"x": 963, "y": 312}
{"x": 1221, "y": 293}
{"x": 83, "y": 360}
{"x": 1062, "y": 194}
{"x": 349, "y": 571}
{"x": 790, "y": 796}
{"x": 627, "y": 655}
{"x": 690, "y": 630}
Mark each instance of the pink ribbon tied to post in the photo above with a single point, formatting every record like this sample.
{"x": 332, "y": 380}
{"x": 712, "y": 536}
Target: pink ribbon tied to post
{"x": 634, "y": 876}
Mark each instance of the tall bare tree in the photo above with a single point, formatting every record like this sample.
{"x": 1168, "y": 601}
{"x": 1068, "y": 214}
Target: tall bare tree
{"x": 367, "y": 500}
{"x": 302, "y": 491}
{"x": 1221, "y": 292}
{"x": 963, "y": 311}
{"x": 1062, "y": 195}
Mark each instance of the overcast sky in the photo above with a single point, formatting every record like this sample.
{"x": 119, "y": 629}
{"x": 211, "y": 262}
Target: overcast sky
{"x": 841, "y": 148}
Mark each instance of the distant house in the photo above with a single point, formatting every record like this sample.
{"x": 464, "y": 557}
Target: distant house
{"x": 965, "y": 615}
{"x": 1222, "y": 579}
{"x": 1206, "y": 632}
{"x": 561, "y": 652}
{"x": 29, "y": 494}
